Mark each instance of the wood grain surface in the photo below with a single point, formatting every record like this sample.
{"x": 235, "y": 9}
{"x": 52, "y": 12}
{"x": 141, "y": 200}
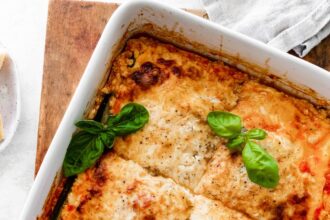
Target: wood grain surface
{"x": 73, "y": 30}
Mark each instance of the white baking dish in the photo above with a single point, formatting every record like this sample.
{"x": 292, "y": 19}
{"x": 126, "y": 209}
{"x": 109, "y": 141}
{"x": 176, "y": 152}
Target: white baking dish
{"x": 186, "y": 30}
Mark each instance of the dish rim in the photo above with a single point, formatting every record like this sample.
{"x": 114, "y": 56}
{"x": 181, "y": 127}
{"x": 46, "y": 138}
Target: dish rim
{"x": 33, "y": 197}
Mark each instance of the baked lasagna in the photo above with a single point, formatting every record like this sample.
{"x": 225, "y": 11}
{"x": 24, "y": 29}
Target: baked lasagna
{"x": 177, "y": 168}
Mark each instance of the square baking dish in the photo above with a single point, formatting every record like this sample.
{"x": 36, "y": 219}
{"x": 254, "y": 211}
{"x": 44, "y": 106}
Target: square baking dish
{"x": 187, "y": 31}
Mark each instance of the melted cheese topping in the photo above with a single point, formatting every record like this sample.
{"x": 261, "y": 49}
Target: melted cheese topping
{"x": 120, "y": 189}
{"x": 176, "y": 168}
{"x": 173, "y": 143}
{"x": 208, "y": 209}
{"x": 298, "y": 138}
{"x": 183, "y": 144}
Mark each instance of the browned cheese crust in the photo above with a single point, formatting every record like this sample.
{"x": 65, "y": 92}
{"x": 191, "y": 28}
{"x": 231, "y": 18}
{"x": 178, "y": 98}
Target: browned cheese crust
{"x": 299, "y": 139}
{"x": 176, "y": 168}
{"x": 119, "y": 189}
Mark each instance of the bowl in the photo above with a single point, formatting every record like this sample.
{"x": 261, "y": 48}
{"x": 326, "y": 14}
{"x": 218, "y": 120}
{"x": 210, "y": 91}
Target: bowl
{"x": 10, "y": 101}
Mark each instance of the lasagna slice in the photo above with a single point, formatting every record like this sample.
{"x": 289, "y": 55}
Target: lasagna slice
{"x": 119, "y": 189}
{"x": 298, "y": 138}
{"x": 178, "y": 88}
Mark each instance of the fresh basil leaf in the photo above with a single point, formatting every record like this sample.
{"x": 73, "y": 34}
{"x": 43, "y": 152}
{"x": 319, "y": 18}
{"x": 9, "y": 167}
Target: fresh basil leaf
{"x": 256, "y": 133}
{"x": 225, "y": 124}
{"x": 261, "y": 167}
{"x": 131, "y": 118}
{"x": 107, "y": 138}
{"x": 111, "y": 120}
{"x": 236, "y": 144}
{"x": 83, "y": 151}
{"x": 90, "y": 126}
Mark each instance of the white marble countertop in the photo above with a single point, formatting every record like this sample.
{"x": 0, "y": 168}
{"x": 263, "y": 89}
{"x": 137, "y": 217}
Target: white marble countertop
{"x": 22, "y": 31}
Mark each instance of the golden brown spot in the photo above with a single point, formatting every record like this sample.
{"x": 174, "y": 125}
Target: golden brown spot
{"x": 279, "y": 211}
{"x": 100, "y": 174}
{"x": 194, "y": 73}
{"x": 148, "y": 75}
{"x": 149, "y": 217}
{"x": 176, "y": 71}
{"x": 166, "y": 63}
{"x": 300, "y": 205}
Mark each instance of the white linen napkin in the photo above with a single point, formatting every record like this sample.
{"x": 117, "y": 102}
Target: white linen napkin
{"x": 285, "y": 24}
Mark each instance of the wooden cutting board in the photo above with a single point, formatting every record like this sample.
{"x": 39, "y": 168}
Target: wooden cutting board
{"x": 73, "y": 30}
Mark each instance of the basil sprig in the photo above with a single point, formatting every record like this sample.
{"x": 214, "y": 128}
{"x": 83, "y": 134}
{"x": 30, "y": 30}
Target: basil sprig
{"x": 129, "y": 119}
{"x": 261, "y": 167}
{"x": 88, "y": 144}
{"x": 225, "y": 124}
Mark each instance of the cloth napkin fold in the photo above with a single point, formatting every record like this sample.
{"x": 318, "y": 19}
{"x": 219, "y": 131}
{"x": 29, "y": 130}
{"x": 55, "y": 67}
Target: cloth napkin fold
{"x": 285, "y": 24}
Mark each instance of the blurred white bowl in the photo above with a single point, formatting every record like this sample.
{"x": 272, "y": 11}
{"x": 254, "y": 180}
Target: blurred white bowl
{"x": 9, "y": 98}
